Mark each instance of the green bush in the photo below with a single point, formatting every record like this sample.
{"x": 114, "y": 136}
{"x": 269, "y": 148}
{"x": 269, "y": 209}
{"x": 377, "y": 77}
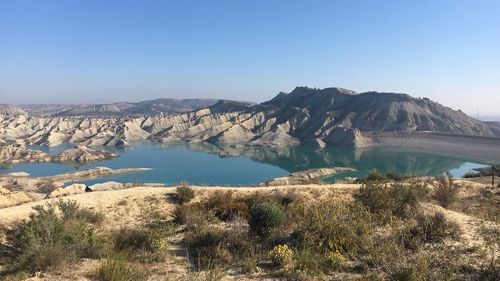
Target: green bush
{"x": 71, "y": 210}
{"x": 406, "y": 198}
{"x": 264, "y": 217}
{"x": 116, "y": 268}
{"x": 334, "y": 227}
{"x": 184, "y": 194}
{"x": 192, "y": 215}
{"x": 145, "y": 245}
{"x": 132, "y": 240}
{"x": 225, "y": 206}
{"x": 429, "y": 229}
{"x": 374, "y": 176}
{"x": 386, "y": 200}
{"x": 376, "y": 197}
{"x": 446, "y": 191}
{"x": 394, "y": 176}
{"x": 213, "y": 246}
{"x": 46, "y": 241}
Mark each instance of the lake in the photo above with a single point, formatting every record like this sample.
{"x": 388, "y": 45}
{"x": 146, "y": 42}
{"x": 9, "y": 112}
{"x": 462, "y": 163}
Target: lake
{"x": 204, "y": 163}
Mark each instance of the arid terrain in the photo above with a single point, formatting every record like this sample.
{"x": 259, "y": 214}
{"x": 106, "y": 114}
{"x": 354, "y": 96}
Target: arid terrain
{"x": 207, "y": 233}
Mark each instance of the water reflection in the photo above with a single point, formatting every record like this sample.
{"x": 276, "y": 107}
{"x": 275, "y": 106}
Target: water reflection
{"x": 292, "y": 159}
{"x": 206, "y": 163}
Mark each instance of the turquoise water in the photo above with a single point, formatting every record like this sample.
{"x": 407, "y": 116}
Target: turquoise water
{"x": 204, "y": 163}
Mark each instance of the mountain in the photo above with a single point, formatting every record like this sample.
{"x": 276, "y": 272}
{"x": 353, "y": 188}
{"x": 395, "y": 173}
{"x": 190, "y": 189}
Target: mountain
{"x": 11, "y": 109}
{"x": 150, "y": 107}
{"x": 371, "y": 111}
{"x": 121, "y": 109}
{"x": 317, "y": 116}
{"x": 494, "y": 127}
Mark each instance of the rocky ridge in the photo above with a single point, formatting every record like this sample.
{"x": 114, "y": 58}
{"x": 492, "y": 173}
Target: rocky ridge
{"x": 321, "y": 116}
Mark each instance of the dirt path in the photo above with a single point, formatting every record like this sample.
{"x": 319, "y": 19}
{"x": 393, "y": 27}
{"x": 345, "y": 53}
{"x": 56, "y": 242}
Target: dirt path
{"x": 469, "y": 225}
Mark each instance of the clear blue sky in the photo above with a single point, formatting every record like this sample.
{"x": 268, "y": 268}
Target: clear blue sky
{"x": 103, "y": 51}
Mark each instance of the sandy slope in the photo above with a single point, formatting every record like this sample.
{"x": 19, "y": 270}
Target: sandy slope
{"x": 105, "y": 200}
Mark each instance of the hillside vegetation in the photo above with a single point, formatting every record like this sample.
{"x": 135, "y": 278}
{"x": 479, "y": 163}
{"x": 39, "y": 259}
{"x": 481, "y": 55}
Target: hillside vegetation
{"x": 387, "y": 228}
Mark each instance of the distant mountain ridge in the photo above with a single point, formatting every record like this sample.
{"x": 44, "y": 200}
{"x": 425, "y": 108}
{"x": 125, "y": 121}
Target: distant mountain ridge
{"x": 119, "y": 109}
{"x": 319, "y": 117}
{"x": 149, "y": 107}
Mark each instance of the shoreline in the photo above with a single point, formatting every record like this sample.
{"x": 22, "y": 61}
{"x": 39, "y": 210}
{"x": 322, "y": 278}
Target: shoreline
{"x": 487, "y": 148}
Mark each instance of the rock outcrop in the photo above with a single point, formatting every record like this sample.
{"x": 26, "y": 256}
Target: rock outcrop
{"x": 308, "y": 176}
{"x": 12, "y": 198}
{"x": 47, "y": 184}
{"x": 15, "y": 153}
{"x": 83, "y": 154}
{"x": 79, "y": 188}
{"x": 333, "y": 116}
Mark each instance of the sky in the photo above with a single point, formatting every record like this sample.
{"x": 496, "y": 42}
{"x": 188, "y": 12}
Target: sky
{"x": 98, "y": 51}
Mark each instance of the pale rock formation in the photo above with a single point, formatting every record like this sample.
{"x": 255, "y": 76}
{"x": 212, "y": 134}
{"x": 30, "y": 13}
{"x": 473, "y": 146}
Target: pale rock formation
{"x": 307, "y": 176}
{"x": 14, "y": 153}
{"x": 83, "y": 154}
{"x": 11, "y": 198}
{"x": 76, "y": 188}
{"x": 106, "y": 186}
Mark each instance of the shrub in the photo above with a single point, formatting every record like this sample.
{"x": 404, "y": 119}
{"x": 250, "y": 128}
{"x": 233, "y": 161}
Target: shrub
{"x": 429, "y": 229}
{"x": 71, "y": 210}
{"x": 231, "y": 211}
{"x": 335, "y": 260}
{"x": 287, "y": 198}
{"x": 184, "y": 194}
{"x": 307, "y": 262}
{"x": 282, "y": 255}
{"x": 446, "y": 191}
{"x": 376, "y": 197}
{"x": 116, "y": 268}
{"x": 406, "y": 197}
{"x": 212, "y": 246}
{"x": 193, "y": 216}
{"x": 398, "y": 199}
{"x": 394, "y": 176}
{"x": 225, "y": 206}
{"x": 132, "y": 240}
{"x": 331, "y": 227}
{"x": 264, "y": 217}
{"x": 219, "y": 198}
{"x": 146, "y": 245}
{"x": 46, "y": 241}
{"x": 374, "y": 176}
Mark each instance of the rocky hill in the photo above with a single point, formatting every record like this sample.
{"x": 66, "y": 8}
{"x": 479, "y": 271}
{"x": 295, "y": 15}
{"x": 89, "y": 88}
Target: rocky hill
{"x": 120, "y": 109}
{"x": 11, "y": 109}
{"x": 319, "y": 116}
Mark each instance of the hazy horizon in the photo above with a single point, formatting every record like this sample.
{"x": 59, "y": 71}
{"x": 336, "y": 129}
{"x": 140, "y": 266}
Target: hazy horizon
{"x": 87, "y": 52}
